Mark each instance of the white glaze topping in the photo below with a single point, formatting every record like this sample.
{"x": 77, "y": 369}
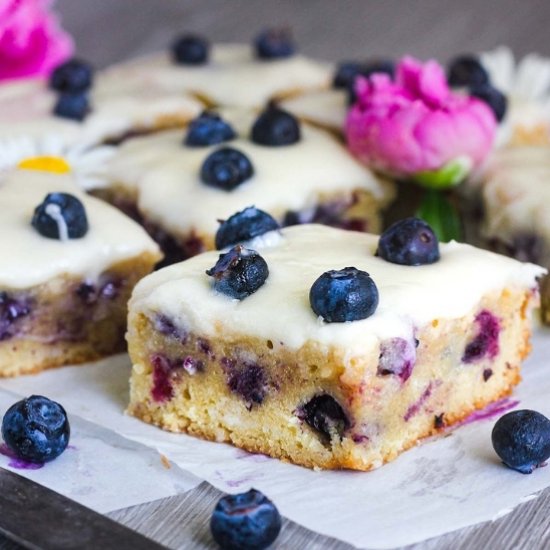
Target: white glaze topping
{"x": 326, "y": 108}
{"x": 232, "y": 76}
{"x": 516, "y": 194}
{"x": 27, "y": 110}
{"x": 409, "y": 296}
{"x": 166, "y": 175}
{"x": 30, "y": 259}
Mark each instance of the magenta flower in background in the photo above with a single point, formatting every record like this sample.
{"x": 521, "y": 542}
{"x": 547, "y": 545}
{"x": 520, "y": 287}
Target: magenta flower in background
{"x": 31, "y": 41}
{"x": 415, "y": 127}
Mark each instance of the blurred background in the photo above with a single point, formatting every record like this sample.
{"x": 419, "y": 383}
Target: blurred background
{"x": 113, "y": 30}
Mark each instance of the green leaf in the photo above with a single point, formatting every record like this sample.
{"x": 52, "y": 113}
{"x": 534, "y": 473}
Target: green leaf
{"x": 442, "y": 216}
{"x": 446, "y": 177}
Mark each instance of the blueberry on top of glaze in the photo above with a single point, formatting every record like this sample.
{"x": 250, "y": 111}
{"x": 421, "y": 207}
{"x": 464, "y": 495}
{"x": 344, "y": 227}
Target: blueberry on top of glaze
{"x": 275, "y": 127}
{"x": 208, "y": 128}
{"x": 495, "y": 99}
{"x": 246, "y": 520}
{"x": 466, "y": 70}
{"x": 522, "y": 440}
{"x": 74, "y": 76}
{"x": 324, "y": 414}
{"x": 410, "y": 241}
{"x": 348, "y": 71}
{"x": 74, "y": 106}
{"x": 243, "y": 226}
{"x": 36, "y": 429}
{"x": 274, "y": 44}
{"x": 348, "y": 294}
{"x": 60, "y": 216}
{"x": 190, "y": 49}
{"x": 239, "y": 272}
{"x": 226, "y": 168}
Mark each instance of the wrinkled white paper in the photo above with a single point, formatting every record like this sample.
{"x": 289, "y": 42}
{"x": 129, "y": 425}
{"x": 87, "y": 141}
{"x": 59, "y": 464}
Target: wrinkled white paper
{"x": 102, "y": 470}
{"x": 432, "y": 489}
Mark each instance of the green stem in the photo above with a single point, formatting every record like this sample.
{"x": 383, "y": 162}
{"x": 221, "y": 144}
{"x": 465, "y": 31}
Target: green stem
{"x": 441, "y": 214}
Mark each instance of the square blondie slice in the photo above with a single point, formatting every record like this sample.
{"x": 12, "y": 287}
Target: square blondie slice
{"x": 162, "y": 181}
{"x": 516, "y": 219}
{"x": 269, "y": 375}
{"x": 70, "y": 264}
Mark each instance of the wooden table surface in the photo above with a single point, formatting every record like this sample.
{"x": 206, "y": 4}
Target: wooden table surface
{"x": 111, "y": 30}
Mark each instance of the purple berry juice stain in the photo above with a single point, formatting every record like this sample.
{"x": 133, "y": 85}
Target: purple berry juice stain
{"x": 18, "y": 463}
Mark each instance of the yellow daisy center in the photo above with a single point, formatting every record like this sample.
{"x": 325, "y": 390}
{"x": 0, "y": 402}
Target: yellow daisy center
{"x": 56, "y": 165}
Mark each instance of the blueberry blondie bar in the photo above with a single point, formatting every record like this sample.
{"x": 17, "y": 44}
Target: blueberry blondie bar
{"x": 329, "y": 348}
{"x": 70, "y": 264}
{"x": 179, "y": 184}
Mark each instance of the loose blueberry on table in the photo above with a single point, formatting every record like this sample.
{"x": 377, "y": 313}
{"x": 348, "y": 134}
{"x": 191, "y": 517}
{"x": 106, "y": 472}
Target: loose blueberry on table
{"x": 348, "y": 294}
{"x": 36, "y": 429}
{"x": 74, "y": 76}
{"x": 243, "y": 226}
{"x": 208, "y": 129}
{"x": 409, "y": 242}
{"x": 239, "y": 273}
{"x": 521, "y": 439}
{"x": 274, "y": 44}
{"x": 245, "y": 521}
{"x": 190, "y": 49}
{"x": 226, "y": 169}
{"x": 275, "y": 127}
{"x": 466, "y": 70}
{"x": 60, "y": 216}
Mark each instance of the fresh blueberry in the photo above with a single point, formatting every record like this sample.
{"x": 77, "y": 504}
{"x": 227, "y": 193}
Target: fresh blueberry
{"x": 60, "y": 216}
{"x": 274, "y": 44}
{"x": 522, "y": 440}
{"x": 348, "y": 294}
{"x": 495, "y": 99}
{"x": 74, "y": 106}
{"x": 345, "y": 75}
{"x": 247, "y": 520}
{"x": 74, "y": 76}
{"x": 226, "y": 168}
{"x": 36, "y": 429}
{"x": 239, "y": 272}
{"x": 410, "y": 241}
{"x": 208, "y": 129}
{"x": 190, "y": 49}
{"x": 275, "y": 127}
{"x": 243, "y": 226}
{"x": 466, "y": 70}
{"x": 348, "y": 71}
{"x": 324, "y": 414}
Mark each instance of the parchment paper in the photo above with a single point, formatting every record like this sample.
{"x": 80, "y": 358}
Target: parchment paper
{"x": 101, "y": 469}
{"x": 432, "y": 489}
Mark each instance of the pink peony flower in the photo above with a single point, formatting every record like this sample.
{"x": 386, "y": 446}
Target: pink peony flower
{"x": 416, "y": 127}
{"x": 31, "y": 41}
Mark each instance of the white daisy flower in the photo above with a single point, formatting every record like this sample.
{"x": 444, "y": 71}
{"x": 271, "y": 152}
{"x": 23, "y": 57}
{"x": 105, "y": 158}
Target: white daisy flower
{"x": 50, "y": 154}
{"x": 526, "y": 83}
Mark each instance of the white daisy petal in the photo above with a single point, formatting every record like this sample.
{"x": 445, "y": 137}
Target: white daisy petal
{"x": 87, "y": 163}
